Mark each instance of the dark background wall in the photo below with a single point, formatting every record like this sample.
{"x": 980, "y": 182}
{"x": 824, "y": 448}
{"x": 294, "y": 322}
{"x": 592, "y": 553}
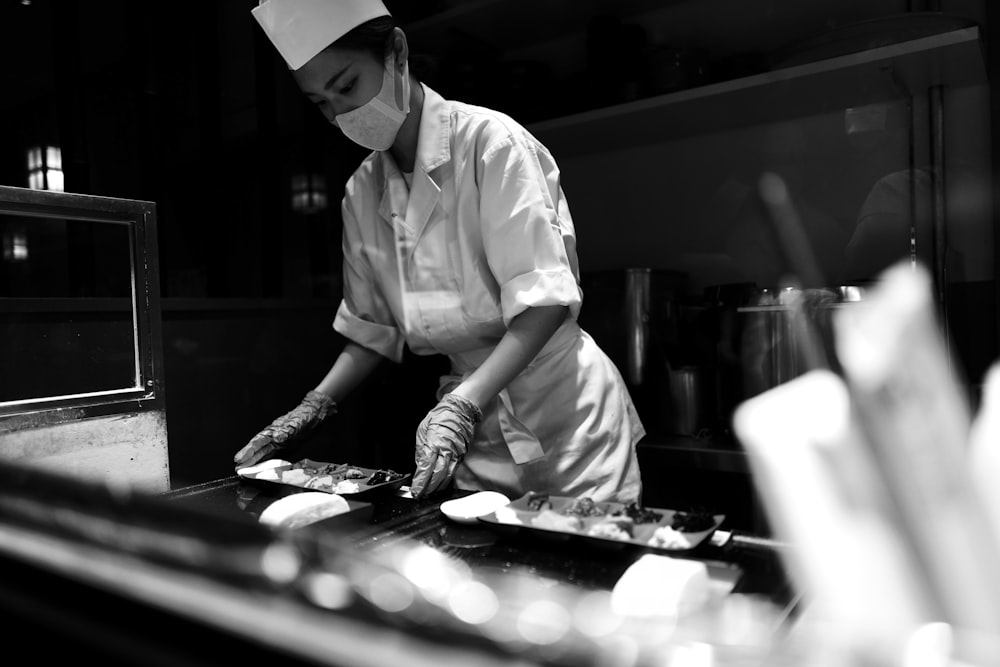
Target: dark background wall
{"x": 194, "y": 111}
{"x": 202, "y": 118}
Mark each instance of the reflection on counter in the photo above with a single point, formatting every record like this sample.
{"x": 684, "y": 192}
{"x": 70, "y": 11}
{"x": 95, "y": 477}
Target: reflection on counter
{"x": 443, "y": 592}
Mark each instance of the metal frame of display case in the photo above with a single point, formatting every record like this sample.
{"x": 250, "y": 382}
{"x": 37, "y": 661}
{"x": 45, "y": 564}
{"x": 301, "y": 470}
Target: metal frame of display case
{"x": 148, "y": 391}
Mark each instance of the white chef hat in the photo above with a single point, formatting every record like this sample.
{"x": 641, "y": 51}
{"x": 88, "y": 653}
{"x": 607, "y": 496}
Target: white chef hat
{"x": 300, "y": 29}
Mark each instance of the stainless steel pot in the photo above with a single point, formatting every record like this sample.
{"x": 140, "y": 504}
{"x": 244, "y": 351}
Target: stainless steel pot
{"x": 776, "y": 346}
{"x": 637, "y": 296}
{"x": 689, "y": 396}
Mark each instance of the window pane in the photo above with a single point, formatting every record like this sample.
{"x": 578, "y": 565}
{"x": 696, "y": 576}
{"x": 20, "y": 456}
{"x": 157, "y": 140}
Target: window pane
{"x": 66, "y": 314}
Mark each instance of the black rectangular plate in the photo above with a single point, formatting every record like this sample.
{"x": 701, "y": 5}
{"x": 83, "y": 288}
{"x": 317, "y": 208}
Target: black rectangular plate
{"x": 643, "y": 532}
{"x": 365, "y": 491}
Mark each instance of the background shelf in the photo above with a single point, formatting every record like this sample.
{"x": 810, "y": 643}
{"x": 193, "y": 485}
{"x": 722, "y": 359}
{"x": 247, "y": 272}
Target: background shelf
{"x": 509, "y": 24}
{"x": 952, "y": 58}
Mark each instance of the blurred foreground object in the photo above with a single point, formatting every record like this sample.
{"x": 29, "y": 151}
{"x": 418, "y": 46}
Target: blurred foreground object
{"x": 984, "y": 444}
{"x": 868, "y": 475}
{"x": 822, "y": 494}
{"x": 916, "y": 416}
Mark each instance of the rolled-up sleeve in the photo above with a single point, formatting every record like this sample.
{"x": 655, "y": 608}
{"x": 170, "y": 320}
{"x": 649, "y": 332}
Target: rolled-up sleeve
{"x": 364, "y": 316}
{"x": 523, "y": 237}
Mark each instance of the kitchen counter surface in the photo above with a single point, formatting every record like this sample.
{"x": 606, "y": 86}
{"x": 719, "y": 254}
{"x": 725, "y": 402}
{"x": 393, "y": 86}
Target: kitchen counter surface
{"x": 205, "y": 587}
{"x": 395, "y": 518}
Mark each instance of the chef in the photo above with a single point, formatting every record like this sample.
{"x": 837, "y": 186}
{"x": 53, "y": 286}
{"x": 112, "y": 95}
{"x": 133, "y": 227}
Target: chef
{"x": 457, "y": 240}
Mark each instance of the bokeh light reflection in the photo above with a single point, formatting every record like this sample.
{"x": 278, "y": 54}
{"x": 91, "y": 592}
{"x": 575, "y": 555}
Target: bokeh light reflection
{"x": 391, "y": 592}
{"x": 619, "y": 651}
{"x": 543, "y": 622}
{"x": 593, "y": 617}
{"x": 473, "y": 602}
{"x": 432, "y": 572}
{"x": 280, "y": 563}
{"x": 328, "y": 590}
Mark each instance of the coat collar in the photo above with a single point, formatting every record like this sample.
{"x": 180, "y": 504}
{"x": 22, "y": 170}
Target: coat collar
{"x": 434, "y": 138}
{"x": 433, "y": 150}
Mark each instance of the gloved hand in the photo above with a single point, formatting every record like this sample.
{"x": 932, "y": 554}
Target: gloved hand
{"x": 313, "y": 409}
{"x": 443, "y": 437}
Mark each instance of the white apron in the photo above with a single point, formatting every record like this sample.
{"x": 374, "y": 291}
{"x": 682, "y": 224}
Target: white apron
{"x": 482, "y": 234}
{"x": 564, "y": 426}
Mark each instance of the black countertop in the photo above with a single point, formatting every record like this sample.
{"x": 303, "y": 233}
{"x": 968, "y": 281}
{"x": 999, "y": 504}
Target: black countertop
{"x": 191, "y": 576}
{"x": 394, "y": 518}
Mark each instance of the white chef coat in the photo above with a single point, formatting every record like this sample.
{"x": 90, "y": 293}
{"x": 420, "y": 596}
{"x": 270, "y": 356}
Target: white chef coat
{"x": 482, "y": 233}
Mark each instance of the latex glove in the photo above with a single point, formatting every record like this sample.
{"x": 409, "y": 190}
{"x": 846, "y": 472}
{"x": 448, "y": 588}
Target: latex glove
{"x": 313, "y": 409}
{"x": 443, "y": 437}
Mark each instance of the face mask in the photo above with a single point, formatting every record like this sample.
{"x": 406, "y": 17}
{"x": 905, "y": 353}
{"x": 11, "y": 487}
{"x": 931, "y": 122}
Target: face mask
{"x": 375, "y": 124}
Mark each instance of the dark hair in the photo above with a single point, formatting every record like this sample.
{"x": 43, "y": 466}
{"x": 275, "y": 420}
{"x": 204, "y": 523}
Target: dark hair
{"x": 374, "y": 36}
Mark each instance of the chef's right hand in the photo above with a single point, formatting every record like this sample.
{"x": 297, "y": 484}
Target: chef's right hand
{"x": 313, "y": 409}
{"x": 443, "y": 437}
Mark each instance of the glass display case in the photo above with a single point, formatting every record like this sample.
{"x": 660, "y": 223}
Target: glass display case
{"x": 81, "y": 380}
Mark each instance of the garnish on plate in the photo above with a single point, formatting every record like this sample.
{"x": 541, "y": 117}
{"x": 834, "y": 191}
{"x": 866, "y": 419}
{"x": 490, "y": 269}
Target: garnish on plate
{"x": 693, "y": 521}
{"x": 384, "y": 476}
{"x": 585, "y": 507}
{"x": 538, "y": 501}
{"x": 639, "y": 514}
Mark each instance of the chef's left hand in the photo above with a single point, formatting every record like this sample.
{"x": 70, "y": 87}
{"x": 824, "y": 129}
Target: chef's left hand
{"x": 443, "y": 437}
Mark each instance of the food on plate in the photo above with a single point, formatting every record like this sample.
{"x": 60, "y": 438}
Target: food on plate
{"x": 296, "y": 476}
{"x": 339, "y": 478}
{"x": 310, "y": 467}
{"x": 346, "y": 486}
{"x": 301, "y": 509}
{"x": 693, "y": 522}
{"x": 323, "y": 483}
{"x": 269, "y": 473}
{"x": 618, "y": 528}
{"x": 507, "y": 515}
{"x": 553, "y": 520}
{"x": 666, "y": 537}
{"x": 471, "y": 507}
{"x": 538, "y": 501}
{"x": 585, "y": 507}
{"x": 384, "y": 476}
{"x": 611, "y": 521}
{"x": 263, "y": 466}
{"x": 336, "y": 470}
{"x": 639, "y": 514}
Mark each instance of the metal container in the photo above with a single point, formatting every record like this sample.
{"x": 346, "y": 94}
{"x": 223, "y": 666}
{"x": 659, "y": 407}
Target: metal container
{"x": 637, "y": 294}
{"x": 632, "y": 314}
{"x": 689, "y": 398}
{"x": 775, "y": 347}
